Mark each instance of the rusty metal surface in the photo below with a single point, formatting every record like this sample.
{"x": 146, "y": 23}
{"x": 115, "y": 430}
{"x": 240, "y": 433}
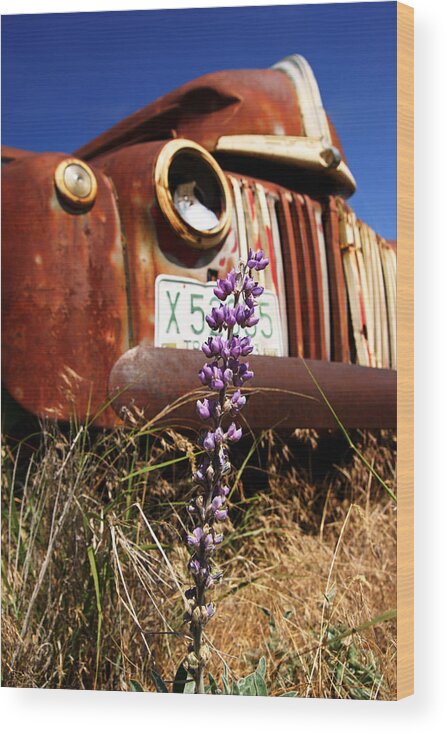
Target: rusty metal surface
{"x": 317, "y": 278}
{"x": 9, "y": 153}
{"x": 222, "y": 103}
{"x": 152, "y": 246}
{"x": 151, "y": 379}
{"x": 291, "y": 275}
{"x": 337, "y": 292}
{"x": 64, "y": 311}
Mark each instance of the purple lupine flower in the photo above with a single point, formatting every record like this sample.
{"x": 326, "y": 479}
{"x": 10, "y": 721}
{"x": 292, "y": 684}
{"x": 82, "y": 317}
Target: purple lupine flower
{"x": 222, "y": 489}
{"x": 225, "y": 287}
{"x": 256, "y": 260}
{"x": 225, "y": 370}
{"x": 213, "y": 346}
{"x": 206, "y": 374}
{"x": 246, "y": 316}
{"x": 217, "y": 503}
{"x": 230, "y": 315}
{"x": 237, "y": 402}
{"x": 213, "y": 439}
{"x": 205, "y": 408}
{"x": 234, "y": 433}
{"x": 246, "y": 346}
{"x": 195, "y": 537}
{"x": 252, "y": 288}
{"x": 242, "y": 374}
{"x": 216, "y": 318}
{"x": 218, "y": 509}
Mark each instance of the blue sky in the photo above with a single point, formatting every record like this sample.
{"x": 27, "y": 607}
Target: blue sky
{"x": 67, "y": 77}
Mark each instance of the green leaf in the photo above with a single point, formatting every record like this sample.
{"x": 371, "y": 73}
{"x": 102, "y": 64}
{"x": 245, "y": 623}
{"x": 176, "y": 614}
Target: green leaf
{"x": 213, "y": 687}
{"x": 159, "y": 683}
{"x": 135, "y": 687}
{"x": 290, "y": 694}
{"x": 262, "y": 667}
{"x": 235, "y": 689}
{"x": 226, "y": 685}
{"x": 183, "y": 683}
{"x": 261, "y": 687}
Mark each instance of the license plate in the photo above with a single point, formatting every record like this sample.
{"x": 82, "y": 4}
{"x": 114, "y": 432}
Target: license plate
{"x": 181, "y": 305}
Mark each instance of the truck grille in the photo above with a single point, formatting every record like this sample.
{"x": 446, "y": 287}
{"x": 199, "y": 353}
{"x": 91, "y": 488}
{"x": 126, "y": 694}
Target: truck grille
{"x": 335, "y": 278}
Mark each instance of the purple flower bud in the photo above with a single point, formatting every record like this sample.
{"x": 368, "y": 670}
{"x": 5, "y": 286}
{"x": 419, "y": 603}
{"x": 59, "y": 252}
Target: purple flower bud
{"x": 221, "y": 515}
{"x": 217, "y": 503}
{"x": 230, "y": 315}
{"x": 212, "y": 375}
{"x": 195, "y": 537}
{"x": 205, "y": 374}
{"x": 249, "y": 302}
{"x": 251, "y": 319}
{"x": 216, "y": 318}
{"x": 213, "y": 439}
{"x": 240, "y": 315}
{"x": 228, "y": 376}
{"x": 217, "y": 382}
{"x": 225, "y": 287}
{"x": 262, "y": 263}
{"x": 246, "y": 346}
{"x": 209, "y": 441}
{"x": 205, "y": 409}
{"x": 208, "y": 542}
{"x": 252, "y": 288}
{"x": 234, "y": 433}
{"x": 223, "y": 490}
{"x": 243, "y": 374}
{"x": 257, "y": 260}
{"x": 237, "y": 402}
{"x": 210, "y": 610}
{"x": 213, "y": 346}
{"x": 218, "y": 538}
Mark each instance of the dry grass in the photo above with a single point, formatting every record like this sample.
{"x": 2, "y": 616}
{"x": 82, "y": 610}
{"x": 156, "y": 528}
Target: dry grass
{"x": 94, "y": 563}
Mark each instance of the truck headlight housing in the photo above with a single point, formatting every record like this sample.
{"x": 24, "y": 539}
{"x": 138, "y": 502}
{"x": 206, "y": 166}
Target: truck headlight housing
{"x": 193, "y": 193}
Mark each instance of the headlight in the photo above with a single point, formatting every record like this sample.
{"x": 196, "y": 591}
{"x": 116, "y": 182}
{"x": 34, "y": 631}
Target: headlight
{"x": 76, "y": 183}
{"x": 193, "y": 193}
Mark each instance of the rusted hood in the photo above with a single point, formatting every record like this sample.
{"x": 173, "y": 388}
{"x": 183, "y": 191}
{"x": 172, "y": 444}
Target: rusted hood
{"x": 244, "y": 102}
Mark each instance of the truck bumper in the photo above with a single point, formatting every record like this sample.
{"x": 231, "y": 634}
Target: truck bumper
{"x": 162, "y": 383}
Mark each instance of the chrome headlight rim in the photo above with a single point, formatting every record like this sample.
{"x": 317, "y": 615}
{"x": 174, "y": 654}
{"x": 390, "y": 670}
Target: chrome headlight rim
{"x": 199, "y": 239}
{"x": 70, "y": 197}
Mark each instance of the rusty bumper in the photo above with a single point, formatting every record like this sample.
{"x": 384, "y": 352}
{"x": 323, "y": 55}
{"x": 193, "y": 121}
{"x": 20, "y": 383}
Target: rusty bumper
{"x": 282, "y": 394}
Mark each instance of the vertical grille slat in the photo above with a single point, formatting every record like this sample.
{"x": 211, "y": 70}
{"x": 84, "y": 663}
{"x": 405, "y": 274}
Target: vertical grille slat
{"x": 340, "y": 351}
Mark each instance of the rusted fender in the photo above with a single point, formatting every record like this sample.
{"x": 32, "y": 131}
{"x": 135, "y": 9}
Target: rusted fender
{"x": 282, "y": 394}
{"x": 64, "y": 307}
